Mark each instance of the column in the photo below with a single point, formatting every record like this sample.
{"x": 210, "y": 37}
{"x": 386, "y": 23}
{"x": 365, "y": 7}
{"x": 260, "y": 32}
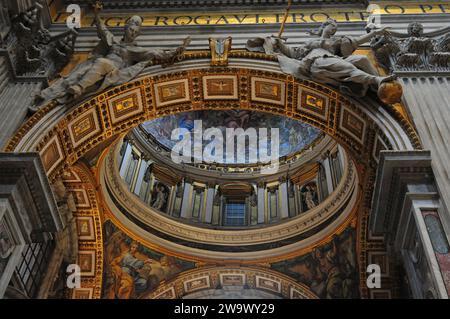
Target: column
{"x": 426, "y": 94}
{"x": 170, "y": 200}
{"x": 186, "y": 205}
{"x": 5, "y": 22}
{"x": 283, "y": 196}
{"x": 428, "y": 100}
{"x": 126, "y": 157}
{"x": 137, "y": 171}
{"x": 140, "y": 177}
{"x": 216, "y": 218}
{"x": 209, "y": 203}
{"x": 341, "y": 155}
{"x": 261, "y": 203}
{"x": 326, "y": 165}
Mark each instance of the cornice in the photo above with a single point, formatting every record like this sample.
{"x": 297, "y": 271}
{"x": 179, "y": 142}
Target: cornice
{"x": 211, "y": 4}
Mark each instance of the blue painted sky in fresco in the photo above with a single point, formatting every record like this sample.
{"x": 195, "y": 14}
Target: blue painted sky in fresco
{"x": 294, "y": 135}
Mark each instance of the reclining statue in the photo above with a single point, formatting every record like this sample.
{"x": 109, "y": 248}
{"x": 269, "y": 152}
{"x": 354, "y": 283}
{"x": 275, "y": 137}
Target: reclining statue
{"x": 327, "y": 59}
{"x": 111, "y": 63}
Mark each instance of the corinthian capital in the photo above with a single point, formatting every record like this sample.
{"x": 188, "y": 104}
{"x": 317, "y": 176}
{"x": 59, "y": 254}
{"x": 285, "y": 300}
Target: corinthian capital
{"x": 414, "y": 51}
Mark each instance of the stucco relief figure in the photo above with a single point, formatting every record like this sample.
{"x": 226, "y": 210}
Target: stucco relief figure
{"x": 111, "y": 63}
{"x": 37, "y": 51}
{"x": 327, "y": 59}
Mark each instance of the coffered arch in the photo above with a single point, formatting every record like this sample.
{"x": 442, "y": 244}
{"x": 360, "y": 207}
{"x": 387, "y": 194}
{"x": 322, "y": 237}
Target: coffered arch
{"x": 63, "y": 134}
{"x": 202, "y": 280}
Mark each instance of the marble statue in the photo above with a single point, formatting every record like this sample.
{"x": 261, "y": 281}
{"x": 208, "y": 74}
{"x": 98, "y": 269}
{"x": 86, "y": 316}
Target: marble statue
{"x": 327, "y": 59}
{"x": 160, "y": 200}
{"x": 309, "y": 197}
{"x": 111, "y": 63}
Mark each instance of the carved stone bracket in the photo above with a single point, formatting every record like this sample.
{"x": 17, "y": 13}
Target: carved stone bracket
{"x": 415, "y": 51}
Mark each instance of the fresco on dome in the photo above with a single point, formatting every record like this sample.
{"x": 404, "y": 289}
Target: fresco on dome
{"x": 330, "y": 271}
{"x": 132, "y": 270}
{"x": 294, "y": 135}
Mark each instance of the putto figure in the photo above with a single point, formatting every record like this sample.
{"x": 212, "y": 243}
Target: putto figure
{"x": 328, "y": 60}
{"x": 111, "y": 63}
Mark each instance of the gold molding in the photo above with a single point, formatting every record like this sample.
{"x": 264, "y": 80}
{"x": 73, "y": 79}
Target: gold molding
{"x": 92, "y": 245}
{"x": 214, "y": 276}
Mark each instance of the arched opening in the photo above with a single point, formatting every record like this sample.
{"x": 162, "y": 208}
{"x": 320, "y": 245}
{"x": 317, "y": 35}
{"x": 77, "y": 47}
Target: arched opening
{"x": 65, "y": 134}
{"x": 233, "y": 282}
